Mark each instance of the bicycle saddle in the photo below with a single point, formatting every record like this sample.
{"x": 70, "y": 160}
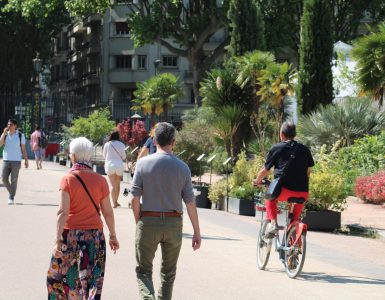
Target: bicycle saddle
{"x": 296, "y": 200}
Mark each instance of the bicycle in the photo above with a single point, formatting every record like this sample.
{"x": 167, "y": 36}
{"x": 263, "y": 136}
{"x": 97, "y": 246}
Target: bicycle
{"x": 292, "y": 246}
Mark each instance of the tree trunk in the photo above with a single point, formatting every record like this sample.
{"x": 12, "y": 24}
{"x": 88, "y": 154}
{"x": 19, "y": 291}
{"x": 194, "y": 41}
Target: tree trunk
{"x": 195, "y": 58}
{"x": 165, "y": 112}
{"x": 152, "y": 117}
{"x": 236, "y": 143}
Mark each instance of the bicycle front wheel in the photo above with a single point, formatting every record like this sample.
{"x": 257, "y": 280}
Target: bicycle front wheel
{"x": 295, "y": 257}
{"x": 263, "y": 247}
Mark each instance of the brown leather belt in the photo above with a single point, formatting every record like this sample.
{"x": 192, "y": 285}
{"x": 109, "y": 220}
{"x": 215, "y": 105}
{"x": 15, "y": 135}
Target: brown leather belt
{"x": 159, "y": 214}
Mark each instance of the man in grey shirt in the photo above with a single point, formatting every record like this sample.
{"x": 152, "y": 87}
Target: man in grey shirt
{"x": 163, "y": 181}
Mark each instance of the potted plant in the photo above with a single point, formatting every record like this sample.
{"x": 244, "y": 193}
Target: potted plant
{"x": 201, "y": 191}
{"x": 217, "y": 194}
{"x": 241, "y": 200}
{"x": 327, "y": 198}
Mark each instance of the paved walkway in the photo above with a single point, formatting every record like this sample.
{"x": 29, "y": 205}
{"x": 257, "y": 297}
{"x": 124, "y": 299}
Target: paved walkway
{"x": 336, "y": 267}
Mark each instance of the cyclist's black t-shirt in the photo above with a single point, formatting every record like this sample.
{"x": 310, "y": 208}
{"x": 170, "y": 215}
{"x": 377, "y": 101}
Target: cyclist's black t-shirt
{"x": 296, "y": 178}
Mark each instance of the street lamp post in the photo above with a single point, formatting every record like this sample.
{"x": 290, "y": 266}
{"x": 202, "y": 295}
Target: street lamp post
{"x": 156, "y": 65}
{"x": 37, "y": 108}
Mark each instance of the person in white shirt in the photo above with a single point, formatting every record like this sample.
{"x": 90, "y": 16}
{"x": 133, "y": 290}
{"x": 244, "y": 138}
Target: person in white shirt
{"x": 114, "y": 154}
{"x": 14, "y": 148}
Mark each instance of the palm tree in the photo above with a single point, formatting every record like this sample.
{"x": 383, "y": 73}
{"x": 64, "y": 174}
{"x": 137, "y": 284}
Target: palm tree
{"x": 343, "y": 123}
{"x": 229, "y": 119}
{"x": 166, "y": 90}
{"x": 145, "y": 100}
{"x": 250, "y": 67}
{"x": 369, "y": 53}
{"x": 276, "y": 81}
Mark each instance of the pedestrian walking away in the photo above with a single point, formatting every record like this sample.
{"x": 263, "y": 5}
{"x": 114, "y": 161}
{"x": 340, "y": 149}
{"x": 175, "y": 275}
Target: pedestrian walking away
{"x": 37, "y": 143}
{"x": 163, "y": 182}
{"x": 149, "y": 146}
{"x": 14, "y": 149}
{"x": 77, "y": 265}
{"x": 295, "y": 160}
{"x": 115, "y": 156}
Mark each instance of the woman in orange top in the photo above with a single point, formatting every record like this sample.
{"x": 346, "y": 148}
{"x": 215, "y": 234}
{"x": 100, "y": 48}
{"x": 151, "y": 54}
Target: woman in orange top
{"x": 77, "y": 265}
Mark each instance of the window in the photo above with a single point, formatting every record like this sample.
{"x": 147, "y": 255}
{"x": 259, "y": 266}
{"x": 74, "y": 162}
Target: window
{"x": 123, "y": 61}
{"x": 142, "y": 61}
{"x": 121, "y": 28}
{"x": 170, "y": 61}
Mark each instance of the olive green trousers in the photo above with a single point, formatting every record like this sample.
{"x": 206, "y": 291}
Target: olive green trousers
{"x": 150, "y": 232}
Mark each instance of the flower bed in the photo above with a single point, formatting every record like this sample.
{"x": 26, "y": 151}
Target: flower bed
{"x": 371, "y": 188}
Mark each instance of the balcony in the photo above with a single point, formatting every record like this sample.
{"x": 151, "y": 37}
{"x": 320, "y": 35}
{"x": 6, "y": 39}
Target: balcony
{"x": 92, "y": 20}
{"x": 77, "y": 29}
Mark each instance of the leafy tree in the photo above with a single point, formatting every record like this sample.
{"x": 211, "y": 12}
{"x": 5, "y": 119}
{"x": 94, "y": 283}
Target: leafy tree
{"x": 183, "y": 27}
{"x": 95, "y": 127}
{"x": 246, "y": 27}
{"x": 369, "y": 53}
{"x": 282, "y": 25}
{"x": 315, "y": 85}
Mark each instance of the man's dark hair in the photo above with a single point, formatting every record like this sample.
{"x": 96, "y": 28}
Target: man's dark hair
{"x": 37, "y": 127}
{"x": 164, "y": 134}
{"x": 13, "y": 121}
{"x": 114, "y": 136}
{"x": 288, "y": 129}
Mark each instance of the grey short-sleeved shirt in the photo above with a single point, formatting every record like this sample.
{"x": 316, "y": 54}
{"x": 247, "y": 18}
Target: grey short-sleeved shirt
{"x": 162, "y": 180}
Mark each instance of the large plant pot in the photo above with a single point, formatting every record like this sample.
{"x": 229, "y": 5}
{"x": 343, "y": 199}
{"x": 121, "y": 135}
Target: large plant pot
{"x": 201, "y": 199}
{"x": 241, "y": 206}
{"x": 322, "y": 220}
{"x": 127, "y": 178}
{"x": 62, "y": 162}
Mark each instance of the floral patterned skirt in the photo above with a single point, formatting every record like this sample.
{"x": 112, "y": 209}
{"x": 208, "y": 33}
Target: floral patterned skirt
{"x": 79, "y": 273}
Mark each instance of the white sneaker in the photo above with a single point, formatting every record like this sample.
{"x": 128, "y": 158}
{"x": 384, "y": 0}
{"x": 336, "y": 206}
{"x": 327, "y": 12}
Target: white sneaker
{"x": 271, "y": 230}
{"x": 10, "y": 201}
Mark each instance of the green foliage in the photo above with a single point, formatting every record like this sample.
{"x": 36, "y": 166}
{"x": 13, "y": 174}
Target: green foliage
{"x": 246, "y": 191}
{"x": 217, "y": 191}
{"x": 246, "y": 27}
{"x": 217, "y": 163}
{"x": 364, "y": 157}
{"x": 344, "y": 122}
{"x": 95, "y": 127}
{"x": 326, "y": 192}
{"x": 369, "y": 53}
{"x": 315, "y": 85}
{"x": 194, "y": 139}
{"x": 327, "y": 185}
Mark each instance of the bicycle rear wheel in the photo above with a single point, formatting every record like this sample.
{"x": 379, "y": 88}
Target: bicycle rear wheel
{"x": 295, "y": 257}
{"x": 263, "y": 246}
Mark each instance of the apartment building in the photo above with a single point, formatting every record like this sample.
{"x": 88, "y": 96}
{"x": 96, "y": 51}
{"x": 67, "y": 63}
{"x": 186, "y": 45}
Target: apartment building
{"x": 95, "y": 64}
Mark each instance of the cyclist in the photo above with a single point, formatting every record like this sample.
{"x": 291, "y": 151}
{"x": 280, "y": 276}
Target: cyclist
{"x": 296, "y": 180}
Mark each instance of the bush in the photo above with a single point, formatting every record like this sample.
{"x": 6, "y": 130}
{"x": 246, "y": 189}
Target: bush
{"x": 371, "y": 188}
{"x": 195, "y": 138}
{"x": 217, "y": 162}
{"x": 326, "y": 192}
{"x": 217, "y": 191}
{"x": 246, "y": 191}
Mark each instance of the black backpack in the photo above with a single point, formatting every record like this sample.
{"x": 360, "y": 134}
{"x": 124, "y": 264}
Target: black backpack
{"x": 43, "y": 142}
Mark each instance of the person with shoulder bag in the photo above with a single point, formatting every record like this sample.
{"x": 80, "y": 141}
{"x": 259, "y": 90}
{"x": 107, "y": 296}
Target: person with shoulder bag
{"x": 77, "y": 265}
{"x": 115, "y": 155}
{"x": 292, "y": 162}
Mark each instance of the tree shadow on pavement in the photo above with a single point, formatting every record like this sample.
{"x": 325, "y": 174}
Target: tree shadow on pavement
{"x": 37, "y": 204}
{"x": 322, "y": 277}
{"x": 207, "y": 237}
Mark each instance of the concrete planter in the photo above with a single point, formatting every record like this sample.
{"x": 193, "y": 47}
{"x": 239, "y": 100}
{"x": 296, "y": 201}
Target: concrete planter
{"x": 241, "y": 207}
{"x": 98, "y": 168}
{"x": 322, "y": 220}
{"x": 201, "y": 199}
{"x": 62, "y": 162}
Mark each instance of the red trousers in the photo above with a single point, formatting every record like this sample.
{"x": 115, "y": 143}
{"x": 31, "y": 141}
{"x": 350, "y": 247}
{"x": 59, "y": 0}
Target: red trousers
{"x": 271, "y": 205}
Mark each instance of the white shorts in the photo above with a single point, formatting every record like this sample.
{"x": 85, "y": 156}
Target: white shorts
{"x": 112, "y": 168}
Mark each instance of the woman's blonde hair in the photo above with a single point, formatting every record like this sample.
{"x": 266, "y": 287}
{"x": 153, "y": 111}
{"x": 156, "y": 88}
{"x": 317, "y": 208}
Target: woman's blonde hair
{"x": 81, "y": 147}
